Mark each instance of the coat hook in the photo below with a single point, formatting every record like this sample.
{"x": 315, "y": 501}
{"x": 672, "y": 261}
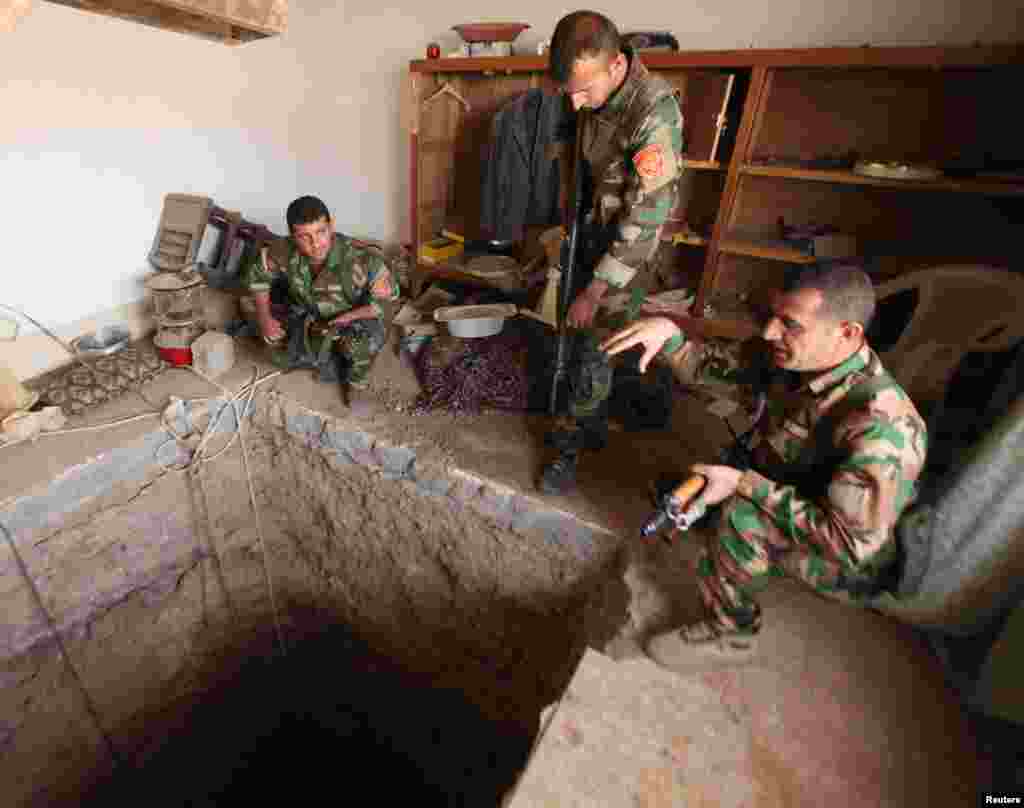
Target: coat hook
{"x": 447, "y": 89}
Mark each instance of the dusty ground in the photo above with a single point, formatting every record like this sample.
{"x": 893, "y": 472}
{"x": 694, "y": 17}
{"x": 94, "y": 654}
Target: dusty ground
{"x": 422, "y": 611}
{"x": 423, "y": 637}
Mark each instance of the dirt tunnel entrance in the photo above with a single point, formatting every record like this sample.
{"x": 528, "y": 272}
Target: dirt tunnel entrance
{"x": 332, "y": 718}
{"x": 426, "y": 619}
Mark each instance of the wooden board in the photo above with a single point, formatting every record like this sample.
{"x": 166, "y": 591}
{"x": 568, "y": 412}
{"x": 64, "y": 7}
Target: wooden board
{"x": 229, "y": 21}
{"x": 702, "y": 103}
{"x": 763, "y": 247}
{"x": 927, "y": 57}
{"x": 942, "y": 184}
{"x": 752, "y": 95}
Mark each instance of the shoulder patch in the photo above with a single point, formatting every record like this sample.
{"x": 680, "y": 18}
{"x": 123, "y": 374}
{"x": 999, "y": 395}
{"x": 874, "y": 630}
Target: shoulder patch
{"x": 650, "y": 161}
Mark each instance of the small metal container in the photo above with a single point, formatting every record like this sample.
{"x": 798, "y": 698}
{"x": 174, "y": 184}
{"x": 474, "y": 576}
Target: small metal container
{"x": 475, "y": 321}
{"x": 107, "y": 340}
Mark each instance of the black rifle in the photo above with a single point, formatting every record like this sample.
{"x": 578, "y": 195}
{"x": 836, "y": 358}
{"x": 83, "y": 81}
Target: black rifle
{"x": 565, "y": 284}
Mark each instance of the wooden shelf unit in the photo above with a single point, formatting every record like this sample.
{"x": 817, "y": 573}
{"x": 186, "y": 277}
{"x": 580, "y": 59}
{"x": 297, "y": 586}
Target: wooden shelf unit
{"x": 917, "y": 104}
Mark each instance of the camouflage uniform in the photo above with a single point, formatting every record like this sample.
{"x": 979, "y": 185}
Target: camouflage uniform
{"x": 818, "y": 507}
{"x": 633, "y": 148}
{"x": 353, "y": 275}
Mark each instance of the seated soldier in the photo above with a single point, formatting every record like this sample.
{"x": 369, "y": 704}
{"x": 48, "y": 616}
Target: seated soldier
{"x": 330, "y": 294}
{"x": 837, "y": 456}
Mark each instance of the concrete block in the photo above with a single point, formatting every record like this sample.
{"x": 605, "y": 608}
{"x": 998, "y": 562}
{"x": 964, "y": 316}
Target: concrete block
{"x": 434, "y": 488}
{"x": 308, "y": 427}
{"x": 357, "y": 445}
{"x": 397, "y": 462}
{"x": 559, "y": 531}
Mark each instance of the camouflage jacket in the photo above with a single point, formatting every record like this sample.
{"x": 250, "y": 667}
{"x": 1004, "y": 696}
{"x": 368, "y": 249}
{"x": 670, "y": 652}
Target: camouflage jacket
{"x": 353, "y": 275}
{"x": 877, "y": 450}
{"x": 634, "y": 146}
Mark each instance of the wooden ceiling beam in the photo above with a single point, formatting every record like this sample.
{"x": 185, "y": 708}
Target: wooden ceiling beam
{"x": 229, "y": 21}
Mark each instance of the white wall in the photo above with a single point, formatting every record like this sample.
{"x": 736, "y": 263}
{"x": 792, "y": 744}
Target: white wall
{"x": 99, "y": 118}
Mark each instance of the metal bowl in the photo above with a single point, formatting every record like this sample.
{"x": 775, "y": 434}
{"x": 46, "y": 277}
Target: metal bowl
{"x": 107, "y": 340}
{"x": 891, "y": 170}
{"x": 475, "y": 321}
{"x": 490, "y": 31}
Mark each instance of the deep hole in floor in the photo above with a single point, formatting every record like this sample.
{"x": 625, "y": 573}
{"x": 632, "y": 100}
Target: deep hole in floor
{"x": 330, "y": 719}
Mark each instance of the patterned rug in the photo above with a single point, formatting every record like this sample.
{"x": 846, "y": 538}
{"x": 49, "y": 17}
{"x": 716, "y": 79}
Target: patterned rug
{"x": 75, "y": 388}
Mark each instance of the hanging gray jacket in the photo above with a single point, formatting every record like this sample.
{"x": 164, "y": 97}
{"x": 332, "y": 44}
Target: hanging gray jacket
{"x": 520, "y": 181}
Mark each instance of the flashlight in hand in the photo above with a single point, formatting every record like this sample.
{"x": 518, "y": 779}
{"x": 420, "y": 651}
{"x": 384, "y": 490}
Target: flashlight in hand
{"x": 678, "y": 507}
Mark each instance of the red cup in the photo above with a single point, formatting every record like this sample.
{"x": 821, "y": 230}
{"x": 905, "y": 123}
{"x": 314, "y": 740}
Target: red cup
{"x": 433, "y": 51}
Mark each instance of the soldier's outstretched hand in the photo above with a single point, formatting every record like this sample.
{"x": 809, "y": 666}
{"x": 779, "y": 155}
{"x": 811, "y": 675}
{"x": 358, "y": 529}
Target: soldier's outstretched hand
{"x": 652, "y": 333}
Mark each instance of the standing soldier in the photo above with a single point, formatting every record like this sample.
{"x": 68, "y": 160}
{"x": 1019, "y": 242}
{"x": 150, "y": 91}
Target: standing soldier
{"x": 632, "y": 146}
{"x": 837, "y": 456}
{"x": 332, "y": 292}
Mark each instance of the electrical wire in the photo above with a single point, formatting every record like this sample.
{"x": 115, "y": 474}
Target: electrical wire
{"x": 249, "y": 393}
{"x": 198, "y": 457}
{"x": 42, "y": 328}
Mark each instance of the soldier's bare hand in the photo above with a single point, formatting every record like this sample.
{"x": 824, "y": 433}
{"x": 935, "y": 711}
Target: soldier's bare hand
{"x": 722, "y": 482}
{"x": 271, "y": 329}
{"x": 582, "y": 311}
{"x": 680, "y": 313}
{"x": 652, "y": 333}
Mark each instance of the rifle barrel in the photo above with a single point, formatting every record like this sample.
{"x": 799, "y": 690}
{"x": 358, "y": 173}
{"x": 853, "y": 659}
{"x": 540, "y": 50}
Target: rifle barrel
{"x": 568, "y": 271}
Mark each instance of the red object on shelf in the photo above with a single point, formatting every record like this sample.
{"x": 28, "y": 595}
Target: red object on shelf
{"x": 490, "y": 31}
{"x": 433, "y": 51}
{"x": 176, "y": 356}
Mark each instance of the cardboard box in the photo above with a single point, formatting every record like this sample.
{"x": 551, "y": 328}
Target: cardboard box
{"x": 439, "y": 250}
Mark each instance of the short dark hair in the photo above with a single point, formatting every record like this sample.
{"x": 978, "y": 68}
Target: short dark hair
{"x": 846, "y": 290}
{"x": 306, "y": 210}
{"x": 582, "y": 34}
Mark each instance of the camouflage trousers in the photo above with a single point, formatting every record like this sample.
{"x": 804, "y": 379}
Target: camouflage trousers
{"x": 358, "y": 344}
{"x": 590, "y": 374}
{"x": 346, "y": 355}
{"x": 745, "y": 548}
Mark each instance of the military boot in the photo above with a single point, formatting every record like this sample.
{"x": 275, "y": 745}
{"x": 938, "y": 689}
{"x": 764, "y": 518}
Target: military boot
{"x": 559, "y": 476}
{"x": 706, "y": 644}
{"x": 577, "y": 434}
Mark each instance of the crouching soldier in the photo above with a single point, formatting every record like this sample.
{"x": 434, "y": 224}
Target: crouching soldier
{"x": 321, "y": 297}
{"x": 835, "y": 460}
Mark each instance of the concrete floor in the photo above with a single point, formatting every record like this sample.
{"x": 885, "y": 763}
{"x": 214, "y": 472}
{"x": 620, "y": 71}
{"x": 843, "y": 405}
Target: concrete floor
{"x": 841, "y": 706}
